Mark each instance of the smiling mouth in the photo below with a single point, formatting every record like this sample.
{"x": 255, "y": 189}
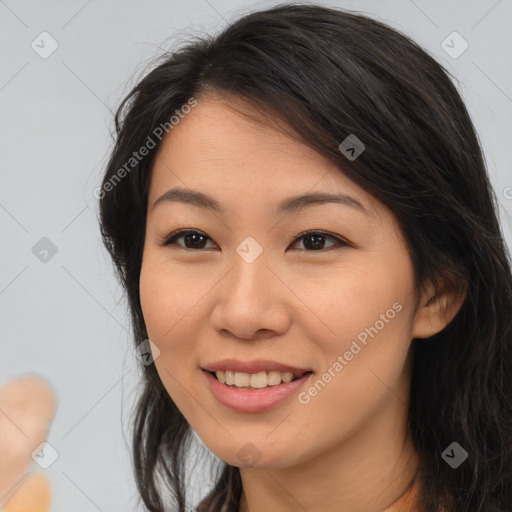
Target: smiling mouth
{"x": 255, "y": 381}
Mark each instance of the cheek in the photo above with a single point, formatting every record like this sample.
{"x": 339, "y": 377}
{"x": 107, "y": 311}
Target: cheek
{"x": 169, "y": 297}
{"x": 357, "y": 382}
{"x": 356, "y": 302}
{"x": 364, "y": 338}
{"x": 172, "y": 310}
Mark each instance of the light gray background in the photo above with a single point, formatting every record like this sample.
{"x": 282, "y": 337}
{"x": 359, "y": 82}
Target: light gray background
{"x": 65, "y": 319}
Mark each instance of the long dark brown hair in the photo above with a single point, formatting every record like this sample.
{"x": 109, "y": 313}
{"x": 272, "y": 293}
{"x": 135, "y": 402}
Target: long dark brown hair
{"x": 329, "y": 73}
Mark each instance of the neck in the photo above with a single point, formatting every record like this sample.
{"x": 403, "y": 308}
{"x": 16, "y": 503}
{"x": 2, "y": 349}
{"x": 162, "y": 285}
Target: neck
{"x": 366, "y": 473}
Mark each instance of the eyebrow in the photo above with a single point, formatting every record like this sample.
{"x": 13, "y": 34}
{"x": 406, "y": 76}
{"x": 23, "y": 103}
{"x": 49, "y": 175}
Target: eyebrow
{"x": 290, "y": 204}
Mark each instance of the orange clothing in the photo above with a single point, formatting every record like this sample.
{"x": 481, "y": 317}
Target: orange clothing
{"x": 34, "y": 495}
{"x": 408, "y": 502}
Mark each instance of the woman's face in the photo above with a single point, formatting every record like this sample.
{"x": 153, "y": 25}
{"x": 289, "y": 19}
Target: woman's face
{"x": 251, "y": 288}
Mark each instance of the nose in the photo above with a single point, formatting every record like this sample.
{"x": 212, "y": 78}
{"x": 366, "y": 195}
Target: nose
{"x": 251, "y": 302}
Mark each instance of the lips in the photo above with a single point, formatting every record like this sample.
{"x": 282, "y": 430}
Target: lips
{"x": 255, "y": 366}
{"x": 254, "y": 400}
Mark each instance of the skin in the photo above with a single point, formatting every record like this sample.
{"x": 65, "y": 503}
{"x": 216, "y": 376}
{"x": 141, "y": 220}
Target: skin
{"x": 27, "y": 408}
{"x": 348, "y": 449}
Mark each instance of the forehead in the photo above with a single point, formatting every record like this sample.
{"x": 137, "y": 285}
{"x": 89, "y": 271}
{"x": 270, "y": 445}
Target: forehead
{"x": 218, "y": 149}
{"x": 219, "y": 134}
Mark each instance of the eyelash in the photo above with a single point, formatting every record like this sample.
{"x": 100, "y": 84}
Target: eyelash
{"x": 170, "y": 239}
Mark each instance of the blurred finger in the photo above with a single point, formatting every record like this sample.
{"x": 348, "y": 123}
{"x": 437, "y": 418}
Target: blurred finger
{"x": 27, "y": 408}
{"x": 33, "y": 496}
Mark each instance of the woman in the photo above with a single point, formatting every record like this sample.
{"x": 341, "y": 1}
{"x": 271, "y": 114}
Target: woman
{"x": 299, "y": 212}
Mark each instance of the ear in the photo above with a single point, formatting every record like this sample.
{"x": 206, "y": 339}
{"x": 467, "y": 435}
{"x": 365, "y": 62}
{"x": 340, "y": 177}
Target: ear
{"x": 437, "y": 309}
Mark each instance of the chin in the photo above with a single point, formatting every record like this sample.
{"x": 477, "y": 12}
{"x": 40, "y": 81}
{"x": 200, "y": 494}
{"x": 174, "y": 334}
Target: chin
{"x": 251, "y": 454}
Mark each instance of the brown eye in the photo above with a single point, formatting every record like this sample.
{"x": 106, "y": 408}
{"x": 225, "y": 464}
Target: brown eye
{"x": 192, "y": 239}
{"x": 315, "y": 240}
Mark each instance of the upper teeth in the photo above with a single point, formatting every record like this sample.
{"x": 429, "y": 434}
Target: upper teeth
{"x": 254, "y": 380}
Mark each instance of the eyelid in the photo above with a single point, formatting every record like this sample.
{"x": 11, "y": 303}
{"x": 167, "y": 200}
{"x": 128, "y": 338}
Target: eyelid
{"x": 340, "y": 241}
{"x": 169, "y": 239}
